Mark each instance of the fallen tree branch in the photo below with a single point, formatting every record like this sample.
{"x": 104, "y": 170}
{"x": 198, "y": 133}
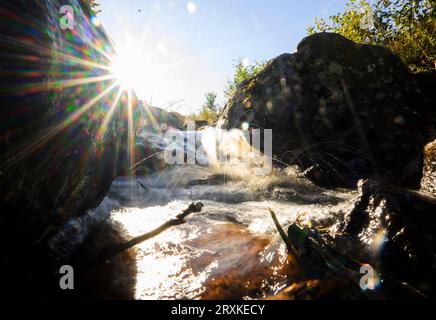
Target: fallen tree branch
{"x": 112, "y": 251}
{"x": 282, "y": 234}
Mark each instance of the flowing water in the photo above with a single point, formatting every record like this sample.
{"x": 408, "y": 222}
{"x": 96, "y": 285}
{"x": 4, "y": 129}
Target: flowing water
{"x": 230, "y": 249}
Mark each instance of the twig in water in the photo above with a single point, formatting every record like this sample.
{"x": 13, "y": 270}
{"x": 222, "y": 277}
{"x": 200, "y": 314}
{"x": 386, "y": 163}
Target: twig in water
{"x": 282, "y": 233}
{"x": 111, "y": 251}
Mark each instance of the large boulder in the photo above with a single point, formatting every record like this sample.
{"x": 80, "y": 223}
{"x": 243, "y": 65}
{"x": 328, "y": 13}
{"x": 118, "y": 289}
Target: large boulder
{"x": 62, "y": 140}
{"x": 340, "y": 110}
{"x": 428, "y": 182}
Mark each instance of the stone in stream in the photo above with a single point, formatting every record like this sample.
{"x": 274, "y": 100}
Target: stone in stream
{"x": 340, "y": 109}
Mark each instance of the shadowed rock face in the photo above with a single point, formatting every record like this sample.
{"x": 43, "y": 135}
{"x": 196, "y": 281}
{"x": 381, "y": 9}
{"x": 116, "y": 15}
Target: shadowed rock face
{"x": 396, "y": 229}
{"x": 428, "y": 182}
{"x": 56, "y": 159}
{"x": 59, "y": 150}
{"x": 340, "y": 109}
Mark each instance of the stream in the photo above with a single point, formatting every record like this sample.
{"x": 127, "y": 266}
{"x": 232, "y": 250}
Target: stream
{"x": 229, "y": 250}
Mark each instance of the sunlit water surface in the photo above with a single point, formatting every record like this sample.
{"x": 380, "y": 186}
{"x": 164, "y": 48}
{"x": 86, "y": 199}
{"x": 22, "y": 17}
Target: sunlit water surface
{"x": 231, "y": 249}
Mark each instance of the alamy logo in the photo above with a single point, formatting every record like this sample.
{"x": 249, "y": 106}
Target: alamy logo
{"x": 220, "y": 147}
{"x": 367, "y": 281}
{"x": 66, "y": 282}
{"x": 67, "y": 20}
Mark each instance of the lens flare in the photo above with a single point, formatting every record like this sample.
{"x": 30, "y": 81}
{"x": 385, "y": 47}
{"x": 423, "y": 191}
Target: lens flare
{"x": 128, "y": 67}
{"x": 191, "y": 7}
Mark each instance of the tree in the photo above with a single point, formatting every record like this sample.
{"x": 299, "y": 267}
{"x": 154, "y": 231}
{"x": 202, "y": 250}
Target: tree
{"x": 242, "y": 72}
{"x": 406, "y": 27}
{"x": 209, "y": 111}
{"x": 210, "y": 102}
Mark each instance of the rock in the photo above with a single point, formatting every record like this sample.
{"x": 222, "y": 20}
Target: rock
{"x": 428, "y": 182}
{"x": 155, "y": 119}
{"x": 154, "y": 122}
{"x": 58, "y": 153}
{"x": 394, "y": 230}
{"x": 345, "y": 109}
{"x": 150, "y": 143}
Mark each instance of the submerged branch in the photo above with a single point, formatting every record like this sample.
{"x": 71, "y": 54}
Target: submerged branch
{"x": 111, "y": 251}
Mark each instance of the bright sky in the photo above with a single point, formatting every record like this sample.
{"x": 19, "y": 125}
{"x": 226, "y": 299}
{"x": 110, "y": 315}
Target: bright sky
{"x": 187, "y": 48}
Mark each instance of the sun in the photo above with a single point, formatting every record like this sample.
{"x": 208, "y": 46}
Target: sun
{"x": 129, "y": 67}
{"x": 143, "y": 67}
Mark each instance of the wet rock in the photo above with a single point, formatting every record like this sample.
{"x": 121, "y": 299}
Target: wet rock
{"x": 394, "y": 229}
{"x": 428, "y": 182}
{"x": 114, "y": 278}
{"x": 59, "y": 148}
{"x": 148, "y": 156}
{"x": 345, "y": 109}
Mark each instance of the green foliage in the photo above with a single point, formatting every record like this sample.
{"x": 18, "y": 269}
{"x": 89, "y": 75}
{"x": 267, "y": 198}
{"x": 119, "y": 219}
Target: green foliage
{"x": 209, "y": 111}
{"x": 406, "y": 27}
{"x": 242, "y": 72}
{"x": 91, "y": 7}
{"x": 207, "y": 115}
{"x": 210, "y": 102}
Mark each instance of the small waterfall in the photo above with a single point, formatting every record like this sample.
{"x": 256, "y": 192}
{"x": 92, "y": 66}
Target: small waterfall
{"x": 228, "y": 151}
